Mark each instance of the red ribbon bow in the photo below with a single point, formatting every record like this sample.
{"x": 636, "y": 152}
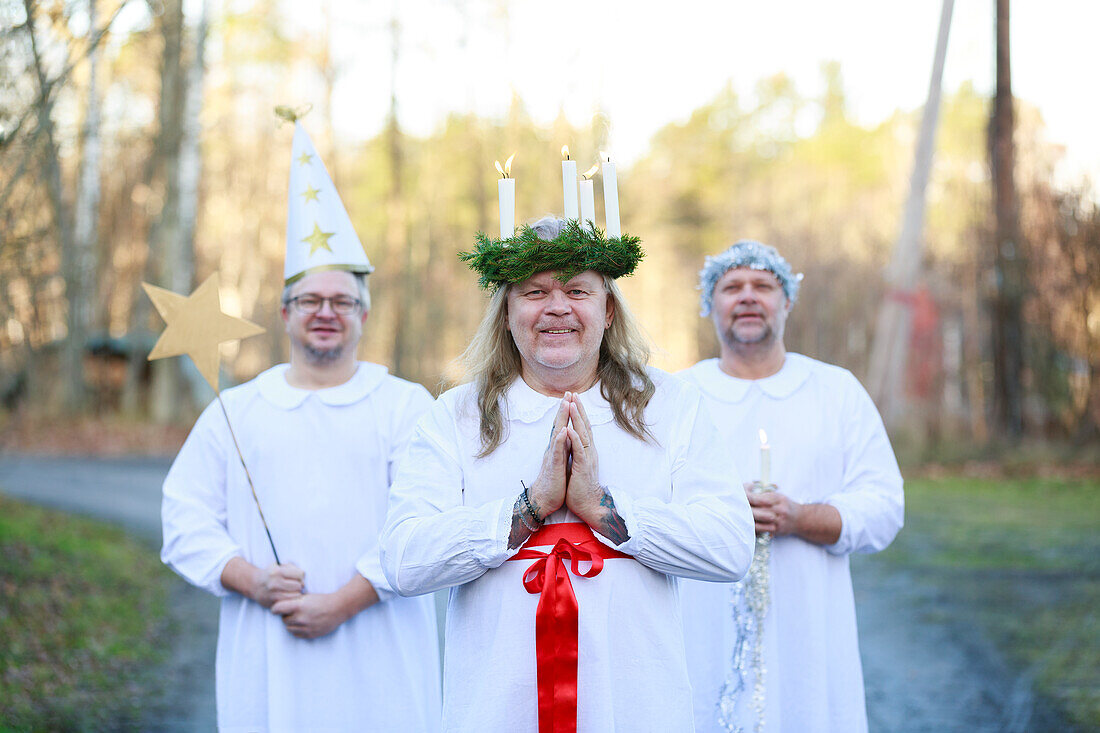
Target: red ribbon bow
{"x": 556, "y": 614}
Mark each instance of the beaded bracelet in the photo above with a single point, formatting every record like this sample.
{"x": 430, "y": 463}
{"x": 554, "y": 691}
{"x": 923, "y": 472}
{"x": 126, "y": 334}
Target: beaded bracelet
{"x": 530, "y": 508}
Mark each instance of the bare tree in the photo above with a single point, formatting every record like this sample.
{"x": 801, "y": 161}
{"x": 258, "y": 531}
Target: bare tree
{"x": 51, "y": 168}
{"x": 1008, "y": 254}
{"x": 80, "y": 280}
{"x": 163, "y": 174}
{"x": 397, "y": 239}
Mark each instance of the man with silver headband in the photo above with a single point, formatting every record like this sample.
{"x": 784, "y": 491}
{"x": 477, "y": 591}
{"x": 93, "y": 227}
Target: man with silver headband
{"x": 602, "y": 478}
{"x": 835, "y": 489}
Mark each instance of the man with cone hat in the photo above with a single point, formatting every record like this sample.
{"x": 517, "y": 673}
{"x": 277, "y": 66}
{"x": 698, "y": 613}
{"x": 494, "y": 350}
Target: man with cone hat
{"x": 778, "y": 651}
{"x": 318, "y": 641}
{"x": 559, "y": 494}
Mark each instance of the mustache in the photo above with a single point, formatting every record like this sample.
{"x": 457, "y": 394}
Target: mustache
{"x": 552, "y": 325}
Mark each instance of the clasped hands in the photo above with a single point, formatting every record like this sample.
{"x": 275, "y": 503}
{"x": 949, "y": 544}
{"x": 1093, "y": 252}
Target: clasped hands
{"x": 280, "y": 589}
{"x": 570, "y": 469}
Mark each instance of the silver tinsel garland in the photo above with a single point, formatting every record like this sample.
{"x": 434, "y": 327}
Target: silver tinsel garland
{"x": 749, "y": 602}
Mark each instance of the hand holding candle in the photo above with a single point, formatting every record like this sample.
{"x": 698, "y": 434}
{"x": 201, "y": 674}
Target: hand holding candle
{"x": 588, "y": 202}
{"x": 569, "y": 183}
{"x": 506, "y": 190}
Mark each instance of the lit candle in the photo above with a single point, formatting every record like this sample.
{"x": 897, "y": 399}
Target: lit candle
{"x": 610, "y": 197}
{"x": 588, "y": 202}
{"x": 506, "y": 190}
{"x": 569, "y": 183}
{"x": 765, "y": 459}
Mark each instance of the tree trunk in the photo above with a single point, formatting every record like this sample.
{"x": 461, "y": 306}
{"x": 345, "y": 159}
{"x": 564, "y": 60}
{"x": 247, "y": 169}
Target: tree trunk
{"x": 72, "y": 374}
{"x": 181, "y": 252}
{"x": 397, "y": 229}
{"x": 163, "y": 176}
{"x": 1008, "y": 256}
{"x": 80, "y": 280}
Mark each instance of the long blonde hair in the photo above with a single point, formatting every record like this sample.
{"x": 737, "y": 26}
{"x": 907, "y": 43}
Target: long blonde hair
{"x": 493, "y": 362}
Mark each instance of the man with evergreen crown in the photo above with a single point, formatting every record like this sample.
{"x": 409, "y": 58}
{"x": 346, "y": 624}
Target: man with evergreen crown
{"x": 559, "y": 494}
{"x": 319, "y": 642}
{"x": 778, "y": 651}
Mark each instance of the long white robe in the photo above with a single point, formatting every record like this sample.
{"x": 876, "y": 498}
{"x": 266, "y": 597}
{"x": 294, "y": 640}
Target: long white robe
{"x": 828, "y": 445}
{"x": 448, "y": 525}
{"x": 321, "y": 462}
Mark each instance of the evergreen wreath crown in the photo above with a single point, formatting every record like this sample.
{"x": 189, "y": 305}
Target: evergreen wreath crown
{"x": 576, "y": 249}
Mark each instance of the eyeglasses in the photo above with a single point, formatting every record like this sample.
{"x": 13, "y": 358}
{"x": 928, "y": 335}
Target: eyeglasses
{"x": 308, "y": 304}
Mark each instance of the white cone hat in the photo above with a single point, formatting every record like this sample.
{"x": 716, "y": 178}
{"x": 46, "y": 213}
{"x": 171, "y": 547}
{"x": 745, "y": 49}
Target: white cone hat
{"x": 319, "y": 234}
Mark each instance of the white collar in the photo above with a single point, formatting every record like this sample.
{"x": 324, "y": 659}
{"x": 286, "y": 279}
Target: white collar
{"x": 721, "y": 386}
{"x": 275, "y": 389}
{"x": 527, "y": 405}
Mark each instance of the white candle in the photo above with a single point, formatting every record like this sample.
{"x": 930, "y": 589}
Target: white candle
{"x": 506, "y": 191}
{"x": 569, "y": 184}
{"x": 506, "y": 188}
{"x": 765, "y": 459}
{"x": 610, "y": 197}
{"x": 588, "y": 201}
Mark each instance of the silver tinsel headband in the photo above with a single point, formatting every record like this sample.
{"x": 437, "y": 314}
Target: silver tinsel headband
{"x": 750, "y": 254}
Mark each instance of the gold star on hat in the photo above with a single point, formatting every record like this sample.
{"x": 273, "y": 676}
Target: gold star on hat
{"x": 318, "y": 239}
{"x": 196, "y": 326}
{"x": 310, "y": 194}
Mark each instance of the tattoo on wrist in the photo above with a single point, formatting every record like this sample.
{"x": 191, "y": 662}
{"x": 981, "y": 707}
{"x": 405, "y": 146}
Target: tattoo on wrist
{"x": 612, "y": 525}
{"x": 519, "y": 532}
{"x": 606, "y": 499}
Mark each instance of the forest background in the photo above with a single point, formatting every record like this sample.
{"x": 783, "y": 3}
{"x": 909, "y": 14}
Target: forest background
{"x": 137, "y": 144}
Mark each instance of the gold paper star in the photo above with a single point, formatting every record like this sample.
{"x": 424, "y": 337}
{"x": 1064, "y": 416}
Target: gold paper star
{"x": 311, "y": 194}
{"x": 318, "y": 239}
{"x": 196, "y": 325}
{"x": 304, "y": 158}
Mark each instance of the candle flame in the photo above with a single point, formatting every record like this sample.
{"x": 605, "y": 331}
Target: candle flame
{"x": 565, "y": 151}
{"x": 506, "y": 170}
{"x": 763, "y": 437}
{"x": 590, "y": 172}
{"x": 605, "y": 155}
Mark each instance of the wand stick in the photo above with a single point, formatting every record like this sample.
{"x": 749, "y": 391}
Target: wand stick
{"x": 248, "y": 476}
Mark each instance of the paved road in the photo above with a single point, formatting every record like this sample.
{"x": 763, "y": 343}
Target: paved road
{"x": 926, "y": 669}
{"x": 127, "y": 492}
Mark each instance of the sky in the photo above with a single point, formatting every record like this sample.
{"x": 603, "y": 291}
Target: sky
{"x": 645, "y": 64}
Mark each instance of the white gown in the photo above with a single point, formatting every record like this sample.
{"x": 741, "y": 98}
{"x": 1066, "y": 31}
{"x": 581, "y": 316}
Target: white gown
{"x": 448, "y": 525}
{"x": 322, "y": 462}
{"x": 828, "y": 445}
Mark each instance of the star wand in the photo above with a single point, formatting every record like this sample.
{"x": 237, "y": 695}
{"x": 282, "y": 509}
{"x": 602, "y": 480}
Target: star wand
{"x": 196, "y": 326}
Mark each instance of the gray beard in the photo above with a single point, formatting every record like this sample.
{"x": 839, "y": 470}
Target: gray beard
{"x": 732, "y": 339}
{"x": 322, "y": 357}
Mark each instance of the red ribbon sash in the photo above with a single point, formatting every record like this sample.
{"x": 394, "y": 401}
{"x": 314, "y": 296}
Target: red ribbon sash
{"x": 556, "y": 614}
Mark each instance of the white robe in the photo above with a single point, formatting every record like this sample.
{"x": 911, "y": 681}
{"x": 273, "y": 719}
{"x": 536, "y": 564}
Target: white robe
{"x": 828, "y": 445}
{"x": 448, "y": 525}
{"x": 321, "y": 462}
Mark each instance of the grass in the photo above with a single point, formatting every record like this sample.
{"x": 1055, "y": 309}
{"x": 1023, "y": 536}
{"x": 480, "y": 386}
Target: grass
{"x": 1023, "y": 557}
{"x": 82, "y": 607}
